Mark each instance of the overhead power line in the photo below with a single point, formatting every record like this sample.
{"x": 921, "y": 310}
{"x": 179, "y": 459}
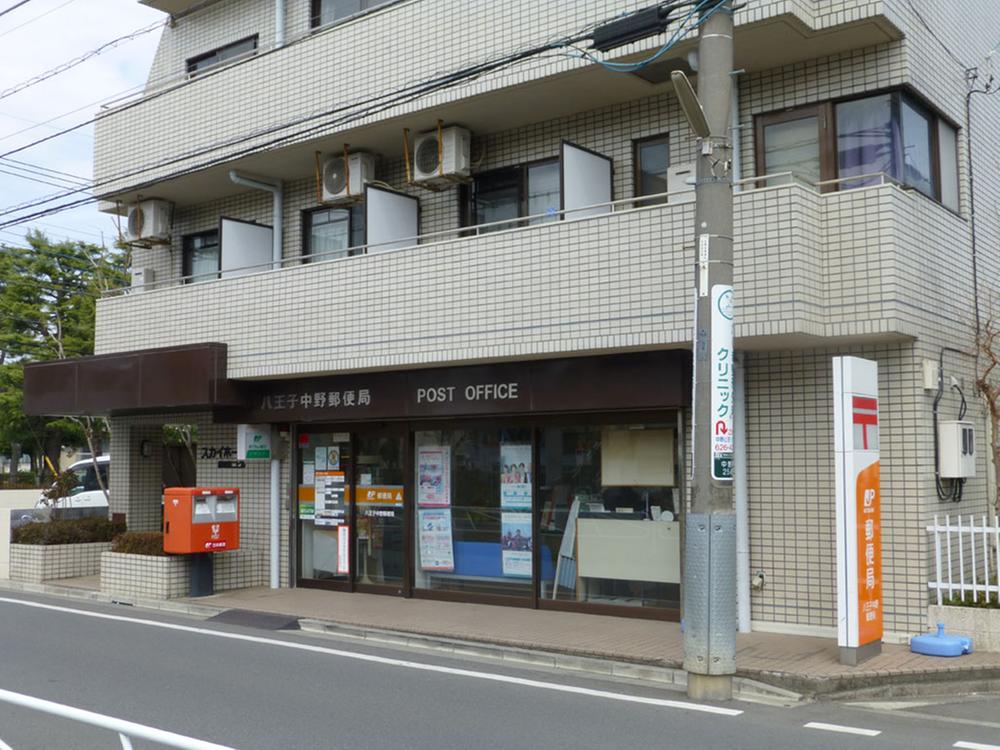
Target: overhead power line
{"x": 63, "y": 67}
{"x": 32, "y": 20}
{"x": 355, "y": 111}
{"x": 15, "y": 6}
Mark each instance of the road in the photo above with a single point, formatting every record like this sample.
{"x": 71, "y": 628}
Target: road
{"x": 257, "y": 689}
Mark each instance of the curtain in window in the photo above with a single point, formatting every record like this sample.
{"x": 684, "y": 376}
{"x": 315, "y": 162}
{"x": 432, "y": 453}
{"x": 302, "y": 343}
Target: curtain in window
{"x": 868, "y": 140}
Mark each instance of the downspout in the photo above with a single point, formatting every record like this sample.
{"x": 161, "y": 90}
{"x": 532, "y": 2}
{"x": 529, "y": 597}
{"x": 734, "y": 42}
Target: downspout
{"x": 274, "y": 187}
{"x": 740, "y": 492}
{"x": 279, "y": 23}
{"x": 277, "y": 218}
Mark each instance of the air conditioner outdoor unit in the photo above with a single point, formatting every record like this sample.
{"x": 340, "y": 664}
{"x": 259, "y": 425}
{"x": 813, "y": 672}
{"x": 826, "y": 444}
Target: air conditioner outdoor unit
{"x": 345, "y": 177}
{"x": 442, "y": 157}
{"x": 149, "y": 221}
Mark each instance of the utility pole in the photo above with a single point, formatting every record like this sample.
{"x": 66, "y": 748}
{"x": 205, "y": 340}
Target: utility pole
{"x": 709, "y": 580}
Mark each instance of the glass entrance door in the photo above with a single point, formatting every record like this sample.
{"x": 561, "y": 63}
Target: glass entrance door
{"x": 380, "y": 525}
{"x": 324, "y": 507}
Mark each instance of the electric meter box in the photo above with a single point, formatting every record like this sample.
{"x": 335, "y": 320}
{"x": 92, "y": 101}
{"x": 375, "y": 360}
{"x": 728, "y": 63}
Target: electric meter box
{"x": 956, "y": 450}
{"x": 200, "y": 519}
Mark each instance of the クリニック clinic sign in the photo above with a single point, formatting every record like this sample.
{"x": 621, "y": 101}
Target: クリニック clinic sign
{"x": 859, "y": 534}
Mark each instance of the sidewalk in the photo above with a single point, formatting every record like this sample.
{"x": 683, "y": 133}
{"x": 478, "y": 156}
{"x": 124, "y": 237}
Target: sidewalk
{"x": 804, "y": 665}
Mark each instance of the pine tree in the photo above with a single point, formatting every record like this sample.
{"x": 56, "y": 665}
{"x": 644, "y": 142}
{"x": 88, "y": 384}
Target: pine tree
{"x": 48, "y": 295}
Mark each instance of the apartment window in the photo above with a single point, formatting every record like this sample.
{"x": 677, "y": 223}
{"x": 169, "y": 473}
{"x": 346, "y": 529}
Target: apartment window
{"x": 332, "y": 232}
{"x": 330, "y": 11}
{"x": 222, "y": 54}
{"x": 201, "y": 260}
{"x": 890, "y": 133}
{"x": 514, "y": 192}
{"x": 795, "y": 143}
{"x": 651, "y": 157}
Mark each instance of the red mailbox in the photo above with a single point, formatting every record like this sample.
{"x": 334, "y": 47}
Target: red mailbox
{"x": 201, "y": 519}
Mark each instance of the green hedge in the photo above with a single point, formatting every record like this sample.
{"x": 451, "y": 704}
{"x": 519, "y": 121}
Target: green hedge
{"x": 80, "y": 531}
{"x": 139, "y": 543}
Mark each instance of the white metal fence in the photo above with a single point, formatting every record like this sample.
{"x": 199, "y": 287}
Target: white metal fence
{"x": 126, "y": 730}
{"x": 966, "y": 558}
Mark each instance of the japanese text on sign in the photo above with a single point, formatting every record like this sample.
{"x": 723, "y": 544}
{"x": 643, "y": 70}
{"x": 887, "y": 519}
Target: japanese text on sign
{"x": 317, "y": 400}
{"x": 722, "y": 382}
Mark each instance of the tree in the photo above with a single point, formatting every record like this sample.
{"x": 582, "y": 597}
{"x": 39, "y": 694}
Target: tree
{"x": 48, "y": 298}
{"x": 988, "y": 384}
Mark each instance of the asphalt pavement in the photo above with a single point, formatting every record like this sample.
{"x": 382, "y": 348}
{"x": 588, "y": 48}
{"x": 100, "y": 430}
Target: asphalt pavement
{"x": 257, "y": 688}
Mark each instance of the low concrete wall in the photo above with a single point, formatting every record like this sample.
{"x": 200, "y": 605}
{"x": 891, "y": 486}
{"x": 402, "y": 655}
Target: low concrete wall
{"x": 167, "y": 577}
{"x": 34, "y": 563}
{"x": 981, "y": 625}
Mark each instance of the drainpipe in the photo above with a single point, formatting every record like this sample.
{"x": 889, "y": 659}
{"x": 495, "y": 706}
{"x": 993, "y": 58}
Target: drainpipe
{"x": 275, "y": 508}
{"x": 279, "y": 23}
{"x": 741, "y": 496}
{"x": 277, "y": 215}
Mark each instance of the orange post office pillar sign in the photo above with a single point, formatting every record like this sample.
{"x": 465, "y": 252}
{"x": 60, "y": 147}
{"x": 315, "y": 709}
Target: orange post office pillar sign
{"x": 859, "y": 533}
{"x": 201, "y": 519}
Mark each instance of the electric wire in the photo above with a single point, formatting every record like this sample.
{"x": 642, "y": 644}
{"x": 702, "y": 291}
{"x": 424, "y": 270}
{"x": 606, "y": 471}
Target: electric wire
{"x": 399, "y": 97}
{"x": 375, "y": 104}
{"x": 36, "y": 18}
{"x": 15, "y": 6}
{"x": 69, "y": 64}
{"x": 933, "y": 33}
{"x": 41, "y": 168}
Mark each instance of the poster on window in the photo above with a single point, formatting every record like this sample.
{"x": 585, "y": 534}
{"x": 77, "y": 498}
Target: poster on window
{"x": 436, "y": 550}
{"x": 515, "y": 476}
{"x": 516, "y": 544}
{"x": 329, "y": 501}
{"x": 434, "y": 476}
{"x": 343, "y": 550}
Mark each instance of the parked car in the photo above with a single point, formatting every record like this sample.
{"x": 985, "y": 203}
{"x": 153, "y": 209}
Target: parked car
{"x": 86, "y": 493}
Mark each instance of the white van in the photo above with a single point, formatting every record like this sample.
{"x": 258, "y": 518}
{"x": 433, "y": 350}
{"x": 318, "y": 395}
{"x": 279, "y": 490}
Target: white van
{"x": 87, "y": 492}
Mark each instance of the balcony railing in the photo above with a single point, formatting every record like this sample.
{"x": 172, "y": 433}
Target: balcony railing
{"x": 809, "y": 265}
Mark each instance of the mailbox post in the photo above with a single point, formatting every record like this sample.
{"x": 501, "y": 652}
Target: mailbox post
{"x": 200, "y": 521}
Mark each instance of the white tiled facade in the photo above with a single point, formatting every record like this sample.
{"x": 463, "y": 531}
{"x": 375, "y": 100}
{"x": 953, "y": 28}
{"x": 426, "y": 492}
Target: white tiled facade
{"x": 878, "y": 272}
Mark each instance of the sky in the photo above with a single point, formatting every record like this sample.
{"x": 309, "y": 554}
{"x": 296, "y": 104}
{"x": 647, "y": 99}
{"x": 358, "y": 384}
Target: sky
{"x": 35, "y": 38}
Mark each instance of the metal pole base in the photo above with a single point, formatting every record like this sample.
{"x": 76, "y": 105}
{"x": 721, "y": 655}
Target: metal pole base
{"x": 202, "y": 578}
{"x": 709, "y": 687}
{"x": 852, "y": 657}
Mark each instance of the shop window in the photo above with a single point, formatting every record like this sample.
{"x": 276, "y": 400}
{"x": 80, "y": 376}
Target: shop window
{"x": 226, "y": 53}
{"x": 889, "y": 133}
{"x": 332, "y": 232}
{"x": 651, "y": 157}
{"x": 514, "y": 192}
{"x": 608, "y": 514}
{"x": 473, "y": 515}
{"x": 330, "y": 11}
{"x": 201, "y": 261}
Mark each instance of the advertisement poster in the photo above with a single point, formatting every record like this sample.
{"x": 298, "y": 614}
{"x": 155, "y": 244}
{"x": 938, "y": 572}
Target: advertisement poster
{"x": 515, "y": 476}
{"x": 436, "y": 550}
{"x": 343, "y": 550}
{"x": 329, "y": 501}
{"x": 516, "y": 544}
{"x": 434, "y": 473}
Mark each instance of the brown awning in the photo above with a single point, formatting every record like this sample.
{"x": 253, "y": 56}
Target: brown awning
{"x": 171, "y": 378}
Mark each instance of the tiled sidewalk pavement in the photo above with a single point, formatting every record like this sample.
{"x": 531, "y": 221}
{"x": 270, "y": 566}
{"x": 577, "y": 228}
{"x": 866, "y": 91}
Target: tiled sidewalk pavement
{"x": 801, "y": 663}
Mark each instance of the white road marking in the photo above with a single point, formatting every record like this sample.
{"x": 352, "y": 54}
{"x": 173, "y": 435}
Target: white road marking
{"x": 5, "y": 746}
{"x": 842, "y": 729}
{"x": 975, "y": 746}
{"x": 489, "y": 676}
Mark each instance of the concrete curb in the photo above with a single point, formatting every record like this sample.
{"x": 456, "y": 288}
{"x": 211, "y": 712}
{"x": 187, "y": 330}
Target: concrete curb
{"x": 663, "y": 676}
